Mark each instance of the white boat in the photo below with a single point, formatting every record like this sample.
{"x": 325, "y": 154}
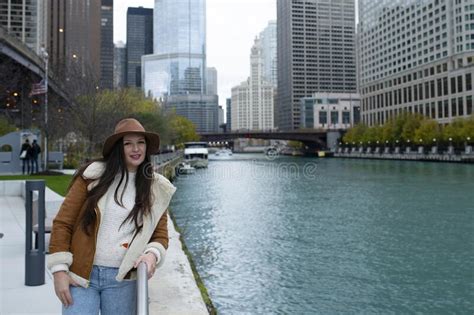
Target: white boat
{"x": 221, "y": 154}
{"x": 185, "y": 168}
{"x": 196, "y": 154}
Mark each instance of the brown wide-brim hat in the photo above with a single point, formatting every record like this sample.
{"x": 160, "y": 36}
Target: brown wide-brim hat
{"x": 130, "y": 125}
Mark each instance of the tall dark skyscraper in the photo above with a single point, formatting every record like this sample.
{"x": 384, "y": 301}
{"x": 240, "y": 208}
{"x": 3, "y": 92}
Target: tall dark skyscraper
{"x": 120, "y": 64}
{"x": 139, "y": 42}
{"x": 228, "y": 113}
{"x": 107, "y": 44}
{"x": 80, "y": 38}
{"x": 315, "y": 53}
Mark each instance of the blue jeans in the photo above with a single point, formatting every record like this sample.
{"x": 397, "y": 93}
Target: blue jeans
{"x": 105, "y": 294}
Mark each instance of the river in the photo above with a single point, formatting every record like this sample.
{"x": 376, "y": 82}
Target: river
{"x": 318, "y": 236}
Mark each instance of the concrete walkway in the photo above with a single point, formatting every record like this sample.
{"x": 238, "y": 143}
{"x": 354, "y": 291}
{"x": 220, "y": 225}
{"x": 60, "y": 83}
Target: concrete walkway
{"x": 172, "y": 290}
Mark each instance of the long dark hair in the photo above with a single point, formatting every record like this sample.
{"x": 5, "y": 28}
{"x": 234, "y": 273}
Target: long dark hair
{"x": 114, "y": 165}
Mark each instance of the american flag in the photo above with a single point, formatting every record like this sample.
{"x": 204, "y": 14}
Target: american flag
{"x": 38, "y": 88}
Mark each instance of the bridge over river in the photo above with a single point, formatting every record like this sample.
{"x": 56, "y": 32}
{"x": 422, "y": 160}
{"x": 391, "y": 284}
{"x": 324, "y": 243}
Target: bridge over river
{"x": 312, "y": 139}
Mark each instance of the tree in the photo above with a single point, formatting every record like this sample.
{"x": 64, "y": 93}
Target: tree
{"x": 156, "y": 121}
{"x": 355, "y": 134}
{"x": 372, "y": 135}
{"x": 5, "y": 126}
{"x": 17, "y": 79}
{"x": 95, "y": 112}
{"x": 453, "y": 133}
{"x": 467, "y": 131}
{"x": 388, "y": 132}
{"x": 411, "y": 122}
{"x": 183, "y": 130}
{"x": 427, "y": 131}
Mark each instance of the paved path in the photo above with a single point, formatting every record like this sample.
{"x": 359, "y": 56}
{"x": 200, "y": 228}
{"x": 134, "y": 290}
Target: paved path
{"x": 172, "y": 290}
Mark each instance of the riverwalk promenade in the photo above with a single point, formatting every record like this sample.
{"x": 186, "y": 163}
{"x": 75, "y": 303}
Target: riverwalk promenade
{"x": 466, "y": 156}
{"x": 172, "y": 290}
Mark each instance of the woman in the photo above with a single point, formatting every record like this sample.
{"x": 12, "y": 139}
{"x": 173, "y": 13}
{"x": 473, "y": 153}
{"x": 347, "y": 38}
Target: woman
{"x": 25, "y": 156}
{"x": 113, "y": 217}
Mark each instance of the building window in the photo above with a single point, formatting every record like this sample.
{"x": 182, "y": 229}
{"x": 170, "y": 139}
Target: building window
{"x": 469, "y": 105}
{"x": 323, "y": 118}
{"x": 334, "y": 117}
{"x": 446, "y": 108}
{"x": 460, "y": 84}
{"x": 460, "y": 106}
{"x": 468, "y": 82}
{"x": 440, "y": 109}
{"x": 453, "y": 85}
{"x": 454, "y": 111}
{"x": 346, "y": 117}
{"x": 440, "y": 87}
{"x": 445, "y": 86}
{"x": 309, "y": 114}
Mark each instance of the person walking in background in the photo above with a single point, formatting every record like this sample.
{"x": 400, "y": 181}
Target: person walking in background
{"x": 35, "y": 150}
{"x": 25, "y": 156}
{"x": 114, "y": 216}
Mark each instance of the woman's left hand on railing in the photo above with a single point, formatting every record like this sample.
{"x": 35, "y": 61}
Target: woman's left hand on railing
{"x": 150, "y": 260}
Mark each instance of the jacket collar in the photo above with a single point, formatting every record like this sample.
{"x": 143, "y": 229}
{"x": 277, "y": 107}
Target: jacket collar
{"x": 162, "y": 189}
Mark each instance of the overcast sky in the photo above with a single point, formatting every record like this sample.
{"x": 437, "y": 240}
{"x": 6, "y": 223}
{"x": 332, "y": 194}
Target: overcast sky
{"x": 231, "y": 28}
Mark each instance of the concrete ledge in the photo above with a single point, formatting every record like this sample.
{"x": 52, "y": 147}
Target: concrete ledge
{"x": 173, "y": 289}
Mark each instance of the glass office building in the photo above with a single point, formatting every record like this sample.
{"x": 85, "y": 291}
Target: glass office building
{"x": 178, "y": 64}
{"x": 176, "y": 72}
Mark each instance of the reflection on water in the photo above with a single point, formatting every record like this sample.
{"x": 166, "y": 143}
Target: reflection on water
{"x": 300, "y": 236}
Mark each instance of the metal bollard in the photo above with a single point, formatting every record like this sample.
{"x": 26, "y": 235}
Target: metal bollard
{"x": 142, "y": 289}
{"x": 34, "y": 257}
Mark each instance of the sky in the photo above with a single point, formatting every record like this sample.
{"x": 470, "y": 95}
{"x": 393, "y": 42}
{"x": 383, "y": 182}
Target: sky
{"x": 231, "y": 29}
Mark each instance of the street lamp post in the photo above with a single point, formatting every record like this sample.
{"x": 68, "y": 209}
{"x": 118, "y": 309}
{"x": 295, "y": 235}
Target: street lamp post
{"x": 45, "y": 146}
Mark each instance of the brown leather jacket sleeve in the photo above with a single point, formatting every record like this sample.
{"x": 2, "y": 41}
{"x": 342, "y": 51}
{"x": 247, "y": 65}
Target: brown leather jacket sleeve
{"x": 66, "y": 219}
{"x": 160, "y": 234}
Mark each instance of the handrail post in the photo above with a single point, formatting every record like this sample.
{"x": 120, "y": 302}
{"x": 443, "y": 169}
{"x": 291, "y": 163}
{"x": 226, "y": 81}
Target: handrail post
{"x": 142, "y": 289}
{"x": 34, "y": 257}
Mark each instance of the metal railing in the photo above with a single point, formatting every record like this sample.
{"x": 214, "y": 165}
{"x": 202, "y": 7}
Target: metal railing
{"x": 142, "y": 289}
{"x": 166, "y": 157}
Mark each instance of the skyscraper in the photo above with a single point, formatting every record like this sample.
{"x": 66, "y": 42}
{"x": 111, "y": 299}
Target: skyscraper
{"x": 107, "y": 44}
{"x": 139, "y": 43}
{"x": 120, "y": 64}
{"x": 416, "y": 56}
{"x": 176, "y": 72}
{"x": 268, "y": 39}
{"x": 211, "y": 81}
{"x": 228, "y": 113}
{"x": 74, "y": 37}
{"x": 82, "y": 19}
{"x": 315, "y": 53}
{"x": 26, "y": 20}
{"x": 252, "y": 100}
{"x": 178, "y": 63}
